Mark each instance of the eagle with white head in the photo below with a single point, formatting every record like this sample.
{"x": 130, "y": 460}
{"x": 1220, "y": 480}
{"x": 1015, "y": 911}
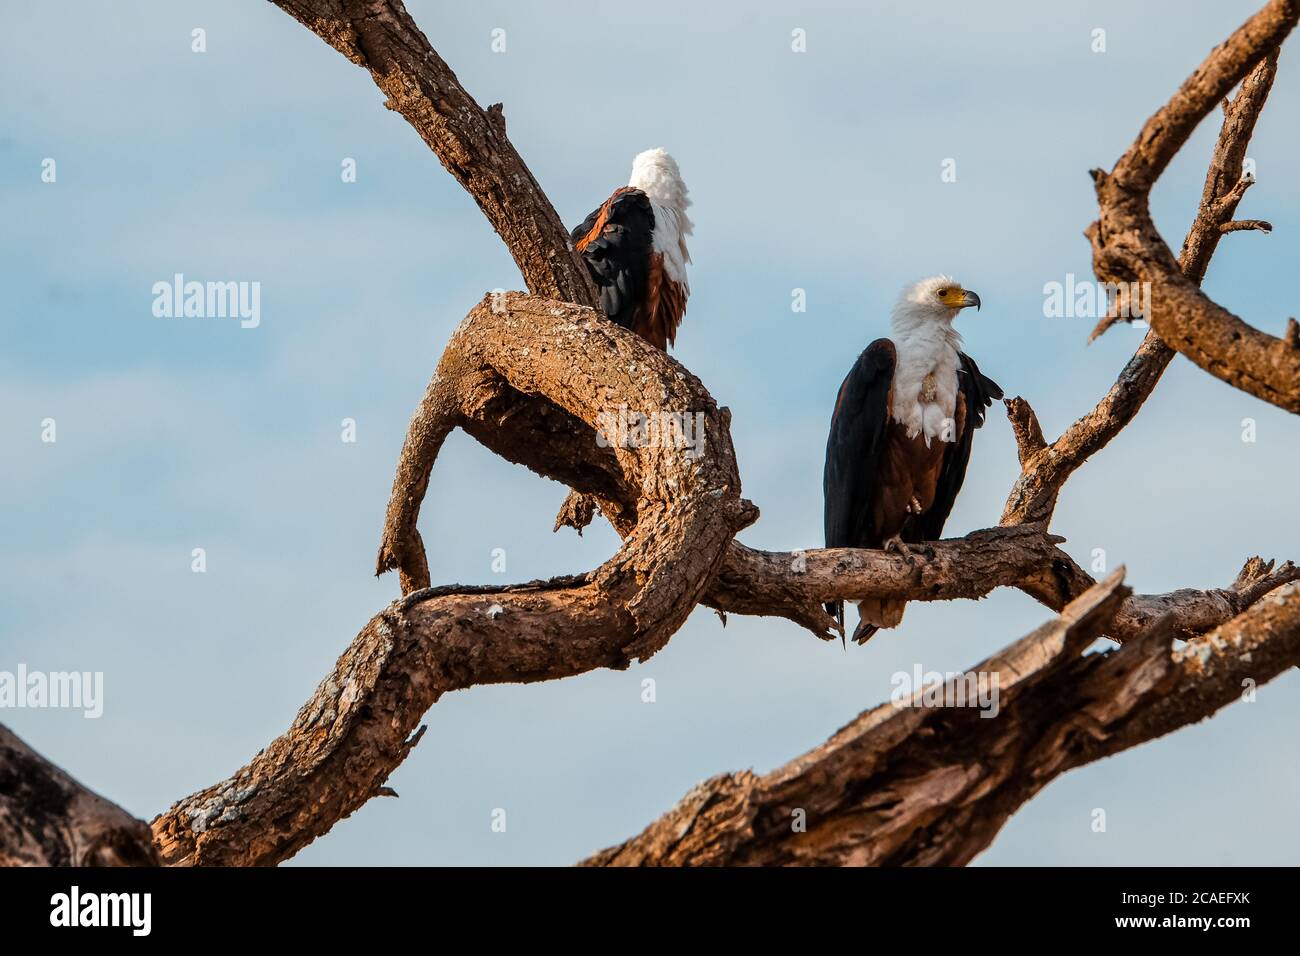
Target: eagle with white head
{"x": 634, "y": 245}
{"x": 901, "y": 435}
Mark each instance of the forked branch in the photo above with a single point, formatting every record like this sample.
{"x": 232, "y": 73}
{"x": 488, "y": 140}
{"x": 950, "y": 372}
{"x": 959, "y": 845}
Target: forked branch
{"x": 1127, "y": 247}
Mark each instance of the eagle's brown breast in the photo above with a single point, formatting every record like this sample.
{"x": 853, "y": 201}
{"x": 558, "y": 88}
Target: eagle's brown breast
{"x": 909, "y": 475}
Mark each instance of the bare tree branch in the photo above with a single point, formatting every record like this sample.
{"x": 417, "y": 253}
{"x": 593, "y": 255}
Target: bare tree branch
{"x": 1045, "y": 469}
{"x": 354, "y": 731}
{"x": 1188, "y": 612}
{"x": 499, "y": 397}
{"x": 1245, "y": 225}
{"x": 1128, "y": 248}
{"x": 361, "y": 722}
{"x": 918, "y": 785}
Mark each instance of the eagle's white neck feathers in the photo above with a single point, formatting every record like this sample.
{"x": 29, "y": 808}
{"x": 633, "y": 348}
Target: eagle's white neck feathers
{"x": 925, "y": 379}
{"x": 655, "y": 173}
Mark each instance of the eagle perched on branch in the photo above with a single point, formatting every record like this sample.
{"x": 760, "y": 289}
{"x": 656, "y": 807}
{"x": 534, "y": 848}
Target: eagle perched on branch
{"x": 634, "y": 245}
{"x": 901, "y": 436}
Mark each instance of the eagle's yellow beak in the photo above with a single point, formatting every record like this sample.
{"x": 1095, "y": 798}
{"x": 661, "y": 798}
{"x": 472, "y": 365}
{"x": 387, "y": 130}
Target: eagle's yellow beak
{"x": 958, "y": 298}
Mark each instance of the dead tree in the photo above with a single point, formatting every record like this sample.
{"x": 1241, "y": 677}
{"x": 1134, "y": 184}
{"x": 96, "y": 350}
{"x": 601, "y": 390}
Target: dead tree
{"x": 529, "y": 376}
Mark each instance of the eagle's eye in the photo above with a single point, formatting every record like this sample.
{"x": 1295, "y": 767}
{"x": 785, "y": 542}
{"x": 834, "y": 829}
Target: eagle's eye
{"x": 941, "y": 293}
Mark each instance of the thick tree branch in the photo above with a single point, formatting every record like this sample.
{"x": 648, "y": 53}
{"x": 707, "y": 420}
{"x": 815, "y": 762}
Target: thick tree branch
{"x": 795, "y": 584}
{"x": 361, "y": 722}
{"x": 491, "y": 390}
{"x": 356, "y": 728}
{"x": 1188, "y": 612}
{"x": 916, "y": 785}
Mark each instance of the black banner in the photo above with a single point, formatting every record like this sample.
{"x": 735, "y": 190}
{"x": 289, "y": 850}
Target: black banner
{"x": 332, "y": 905}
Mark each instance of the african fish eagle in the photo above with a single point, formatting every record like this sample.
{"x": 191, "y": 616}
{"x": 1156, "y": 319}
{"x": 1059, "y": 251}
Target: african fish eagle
{"x": 634, "y": 245}
{"x": 901, "y": 435}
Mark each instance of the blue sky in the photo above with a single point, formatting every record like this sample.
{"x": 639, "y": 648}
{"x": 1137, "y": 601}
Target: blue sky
{"x": 817, "y": 171}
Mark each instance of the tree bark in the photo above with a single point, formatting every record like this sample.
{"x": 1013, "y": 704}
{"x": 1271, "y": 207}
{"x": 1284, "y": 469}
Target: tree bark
{"x": 357, "y": 727}
{"x": 925, "y": 786}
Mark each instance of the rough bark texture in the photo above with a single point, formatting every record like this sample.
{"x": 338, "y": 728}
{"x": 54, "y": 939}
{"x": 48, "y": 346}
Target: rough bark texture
{"x": 357, "y": 727}
{"x": 471, "y": 392}
{"x": 767, "y": 582}
{"x": 530, "y": 378}
{"x": 933, "y": 786}
{"x": 48, "y": 819}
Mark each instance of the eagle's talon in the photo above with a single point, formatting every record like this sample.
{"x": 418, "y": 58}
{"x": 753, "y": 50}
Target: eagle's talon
{"x": 896, "y": 545}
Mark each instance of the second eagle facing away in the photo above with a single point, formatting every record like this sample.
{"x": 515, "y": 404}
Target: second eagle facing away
{"x": 901, "y": 434}
{"x": 634, "y": 245}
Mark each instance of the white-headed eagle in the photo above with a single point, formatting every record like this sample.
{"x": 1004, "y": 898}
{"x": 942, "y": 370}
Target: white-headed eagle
{"x": 634, "y": 245}
{"x": 901, "y": 435}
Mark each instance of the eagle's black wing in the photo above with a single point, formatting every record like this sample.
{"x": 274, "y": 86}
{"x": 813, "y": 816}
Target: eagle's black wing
{"x": 853, "y": 451}
{"x": 977, "y": 392}
{"x": 616, "y": 240}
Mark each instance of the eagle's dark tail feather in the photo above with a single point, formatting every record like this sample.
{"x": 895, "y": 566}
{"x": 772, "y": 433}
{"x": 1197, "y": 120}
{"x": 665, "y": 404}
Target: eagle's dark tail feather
{"x": 836, "y": 610}
{"x": 889, "y": 613}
